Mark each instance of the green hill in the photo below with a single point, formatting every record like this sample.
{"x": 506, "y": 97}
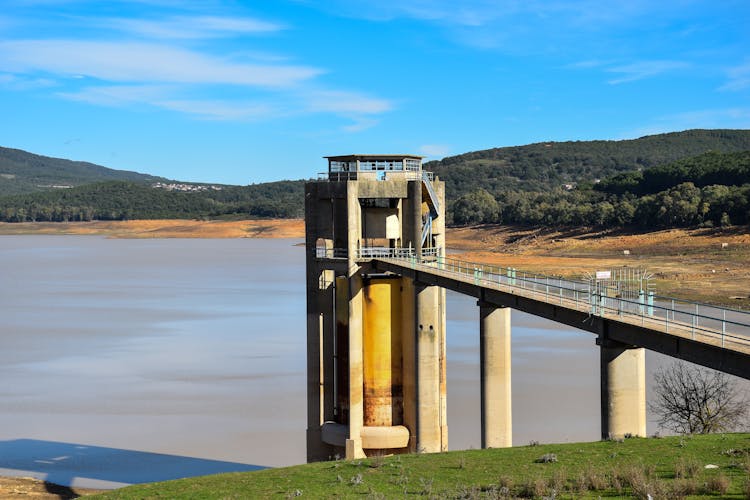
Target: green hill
{"x": 695, "y": 177}
{"x": 672, "y": 467}
{"x": 23, "y": 172}
{"x": 712, "y": 189}
{"x": 551, "y": 165}
{"x": 118, "y": 200}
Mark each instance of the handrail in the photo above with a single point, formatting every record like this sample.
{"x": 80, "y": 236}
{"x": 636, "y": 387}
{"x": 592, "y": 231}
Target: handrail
{"x": 434, "y": 202}
{"x": 704, "y": 322}
{"x": 376, "y": 252}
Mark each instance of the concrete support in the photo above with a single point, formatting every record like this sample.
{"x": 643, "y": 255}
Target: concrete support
{"x": 495, "y": 373}
{"x": 623, "y": 390}
{"x": 356, "y": 400}
{"x": 427, "y": 315}
{"x": 319, "y": 337}
{"x": 409, "y": 357}
{"x": 443, "y": 373}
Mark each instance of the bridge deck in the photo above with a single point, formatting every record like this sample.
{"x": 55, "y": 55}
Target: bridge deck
{"x": 714, "y": 337}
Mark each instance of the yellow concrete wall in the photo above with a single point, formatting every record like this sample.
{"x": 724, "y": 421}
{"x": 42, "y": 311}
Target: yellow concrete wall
{"x": 382, "y": 352}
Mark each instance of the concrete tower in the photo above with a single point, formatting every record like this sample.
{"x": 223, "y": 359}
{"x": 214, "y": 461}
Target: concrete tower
{"x": 375, "y": 342}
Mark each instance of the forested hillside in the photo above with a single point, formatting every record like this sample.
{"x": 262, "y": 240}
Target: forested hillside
{"x": 691, "y": 178}
{"x": 117, "y": 200}
{"x": 23, "y": 172}
{"x": 551, "y": 165}
{"x": 708, "y": 190}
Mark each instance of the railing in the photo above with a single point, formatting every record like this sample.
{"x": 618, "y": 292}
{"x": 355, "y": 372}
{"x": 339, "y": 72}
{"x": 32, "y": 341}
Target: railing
{"x": 412, "y": 175}
{"x": 704, "y": 322}
{"x": 427, "y": 178}
{"x": 337, "y": 176}
{"x": 377, "y": 252}
{"x": 331, "y": 253}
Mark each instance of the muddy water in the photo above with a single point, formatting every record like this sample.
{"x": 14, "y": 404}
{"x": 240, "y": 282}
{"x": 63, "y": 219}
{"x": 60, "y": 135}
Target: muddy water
{"x": 196, "y": 348}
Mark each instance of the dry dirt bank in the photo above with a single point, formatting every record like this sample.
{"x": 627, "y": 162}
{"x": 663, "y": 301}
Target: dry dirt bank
{"x": 16, "y": 488}
{"x": 708, "y": 266}
{"x": 167, "y": 228}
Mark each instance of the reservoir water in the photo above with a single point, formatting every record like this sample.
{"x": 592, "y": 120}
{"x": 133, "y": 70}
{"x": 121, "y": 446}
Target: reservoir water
{"x": 137, "y": 360}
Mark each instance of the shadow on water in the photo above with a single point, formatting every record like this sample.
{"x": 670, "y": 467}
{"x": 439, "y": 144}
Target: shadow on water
{"x": 64, "y": 464}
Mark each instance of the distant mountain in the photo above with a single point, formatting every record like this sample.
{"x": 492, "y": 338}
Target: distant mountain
{"x": 547, "y": 166}
{"x": 23, "y": 172}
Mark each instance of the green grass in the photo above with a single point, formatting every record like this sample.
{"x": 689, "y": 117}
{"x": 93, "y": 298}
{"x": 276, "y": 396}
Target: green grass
{"x": 671, "y": 467}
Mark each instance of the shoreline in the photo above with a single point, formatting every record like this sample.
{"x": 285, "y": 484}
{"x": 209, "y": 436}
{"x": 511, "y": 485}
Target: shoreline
{"x": 710, "y": 266}
{"x": 164, "y": 228}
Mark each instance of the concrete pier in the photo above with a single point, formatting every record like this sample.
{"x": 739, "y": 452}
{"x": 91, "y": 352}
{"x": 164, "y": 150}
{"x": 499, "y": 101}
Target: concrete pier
{"x": 356, "y": 381}
{"x": 429, "y": 435}
{"x": 495, "y": 376}
{"x": 623, "y": 390}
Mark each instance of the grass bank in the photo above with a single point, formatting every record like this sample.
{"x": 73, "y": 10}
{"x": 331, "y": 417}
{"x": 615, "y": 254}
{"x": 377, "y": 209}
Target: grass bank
{"x": 670, "y": 467}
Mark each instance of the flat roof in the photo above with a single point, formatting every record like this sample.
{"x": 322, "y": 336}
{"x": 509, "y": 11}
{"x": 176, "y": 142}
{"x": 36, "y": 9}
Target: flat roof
{"x": 372, "y": 157}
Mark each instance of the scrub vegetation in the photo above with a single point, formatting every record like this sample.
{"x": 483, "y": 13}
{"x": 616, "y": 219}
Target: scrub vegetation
{"x": 670, "y": 467}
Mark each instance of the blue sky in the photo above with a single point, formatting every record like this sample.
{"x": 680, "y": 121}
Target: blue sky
{"x": 241, "y": 92}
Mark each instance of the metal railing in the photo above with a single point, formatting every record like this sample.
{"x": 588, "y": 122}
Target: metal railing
{"x": 331, "y": 253}
{"x": 427, "y": 178}
{"x": 378, "y": 252}
{"x": 703, "y": 322}
{"x": 412, "y": 175}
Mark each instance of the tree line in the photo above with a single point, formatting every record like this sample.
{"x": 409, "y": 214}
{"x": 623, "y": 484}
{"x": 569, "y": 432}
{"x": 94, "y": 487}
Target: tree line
{"x": 118, "y": 200}
{"x": 712, "y": 189}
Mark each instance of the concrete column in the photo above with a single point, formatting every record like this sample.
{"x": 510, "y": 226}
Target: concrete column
{"x": 409, "y": 356}
{"x": 623, "y": 390}
{"x": 356, "y": 407}
{"x": 354, "y": 221}
{"x": 427, "y": 315}
{"x": 443, "y": 373}
{"x": 318, "y": 312}
{"x": 495, "y": 373}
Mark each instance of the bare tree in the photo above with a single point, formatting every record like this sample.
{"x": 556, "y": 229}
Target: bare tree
{"x": 692, "y": 400}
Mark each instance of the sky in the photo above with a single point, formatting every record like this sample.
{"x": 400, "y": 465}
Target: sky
{"x": 240, "y": 92}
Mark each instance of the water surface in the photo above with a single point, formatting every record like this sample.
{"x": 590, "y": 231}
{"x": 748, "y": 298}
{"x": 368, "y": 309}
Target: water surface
{"x": 196, "y": 348}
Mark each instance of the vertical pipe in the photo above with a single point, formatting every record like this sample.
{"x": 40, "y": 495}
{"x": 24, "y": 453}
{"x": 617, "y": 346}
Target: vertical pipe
{"x": 409, "y": 371}
{"x": 356, "y": 410}
{"x": 342, "y": 350}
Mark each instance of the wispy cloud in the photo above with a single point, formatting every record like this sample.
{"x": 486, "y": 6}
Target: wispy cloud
{"x": 118, "y": 95}
{"x": 520, "y": 24}
{"x": 360, "y": 124}
{"x": 15, "y": 82}
{"x": 435, "y": 150}
{"x": 134, "y": 62}
{"x": 739, "y": 78}
{"x": 156, "y": 63}
{"x": 220, "y": 110}
{"x": 644, "y": 69}
{"x": 164, "y": 97}
{"x": 186, "y": 27}
{"x": 347, "y": 103}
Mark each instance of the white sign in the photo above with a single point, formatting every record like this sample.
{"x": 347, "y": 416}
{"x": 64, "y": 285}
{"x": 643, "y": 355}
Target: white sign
{"x": 603, "y": 275}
